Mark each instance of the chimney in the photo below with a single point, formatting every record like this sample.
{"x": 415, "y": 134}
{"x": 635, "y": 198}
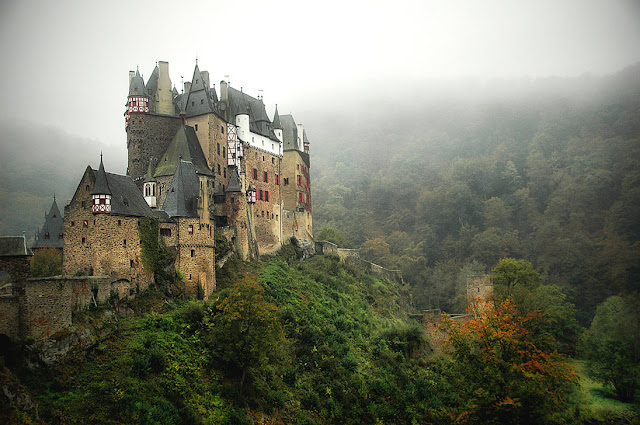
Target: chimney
{"x": 187, "y": 87}
{"x": 205, "y": 78}
{"x": 224, "y": 91}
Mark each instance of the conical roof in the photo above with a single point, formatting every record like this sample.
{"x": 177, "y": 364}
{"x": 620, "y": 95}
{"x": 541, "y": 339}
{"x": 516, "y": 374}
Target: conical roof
{"x": 136, "y": 86}
{"x": 182, "y": 197}
{"x": 276, "y": 120}
{"x": 102, "y": 186}
{"x": 51, "y": 232}
{"x": 234, "y": 181}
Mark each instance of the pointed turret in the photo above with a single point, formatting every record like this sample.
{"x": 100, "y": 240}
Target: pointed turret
{"x": 138, "y": 100}
{"x": 277, "y": 125}
{"x": 51, "y": 234}
{"x": 101, "y": 193}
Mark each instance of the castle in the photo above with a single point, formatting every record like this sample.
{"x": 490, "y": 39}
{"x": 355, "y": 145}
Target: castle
{"x": 201, "y": 165}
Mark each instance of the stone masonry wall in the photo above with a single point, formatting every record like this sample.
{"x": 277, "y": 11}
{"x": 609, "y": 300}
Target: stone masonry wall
{"x": 148, "y": 136}
{"x": 267, "y": 215}
{"x": 196, "y": 253}
{"x": 18, "y": 267}
{"x": 212, "y": 135}
{"x": 102, "y": 243}
{"x": 352, "y": 258}
{"x": 10, "y": 315}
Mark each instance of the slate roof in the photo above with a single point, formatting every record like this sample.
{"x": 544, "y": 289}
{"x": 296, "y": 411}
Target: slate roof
{"x": 136, "y": 86}
{"x": 152, "y": 87}
{"x": 259, "y": 122}
{"x": 200, "y": 99}
{"x": 126, "y": 198}
{"x": 234, "y": 181}
{"x": 185, "y": 145}
{"x": 276, "y": 120}
{"x": 101, "y": 187}
{"x": 182, "y": 197}
{"x": 289, "y": 133}
{"x": 13, "y": 246}
{"x": 53, "y": 227}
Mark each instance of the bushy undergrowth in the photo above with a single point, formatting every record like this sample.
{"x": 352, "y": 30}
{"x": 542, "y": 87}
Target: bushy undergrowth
{"x": 310, "y": 342}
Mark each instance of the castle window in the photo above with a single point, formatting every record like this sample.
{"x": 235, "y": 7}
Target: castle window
{"x": 266, "y": 195}
{"x": 265, "y": 177}
{"x": 202, "y": 101}
{"x": 84, "y": 240}
{"x": 224, "y": 172}
{"x": 85, "y": 223}
{"x": 277, "y": 179}
{"x": 190, "y": 229}
{"x": 224, "y": 151}
{"x": 262, "y": 213}
{"x": 196, "y": 127}
{"x": 218, "y": 168}
{"x": 124, "y": 243}
{"x": 193, "y": 253}
{"x": 261, "y": 195}
{"x": 222, "y": 129}
{"x": 165, "y": 232}
{"x": 46, "y": 235}
{"x": 255, "y": 174}
{"x": 61, "y": 236}
{"x": 286, "y": 180}
{"x": 73, "y": 223}
{"x": 193, "y": 103}
{"x": 218, "y": 148}
{"x": 263, "y": 157}
{"x": 82, "y": 204}
{"x": 273, "y": 160}
{"x": 298, "y": 166}
{"x": 299, "y": 180}
{"x": 131, "y": 263}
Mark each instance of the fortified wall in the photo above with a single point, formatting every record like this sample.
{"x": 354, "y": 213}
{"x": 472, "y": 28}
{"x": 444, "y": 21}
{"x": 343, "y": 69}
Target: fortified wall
{"x": 41, "y": 307}
{"x": 351, "y": 257}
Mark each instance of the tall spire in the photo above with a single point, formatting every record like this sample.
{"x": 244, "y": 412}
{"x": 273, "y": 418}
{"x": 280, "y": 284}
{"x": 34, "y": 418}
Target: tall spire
{"x": 102, "y": 185}
{"x": 276, "y": 120}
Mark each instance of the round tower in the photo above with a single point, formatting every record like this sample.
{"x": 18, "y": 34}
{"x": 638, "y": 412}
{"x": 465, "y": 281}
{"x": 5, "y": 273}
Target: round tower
{"x": 138, "y": 99}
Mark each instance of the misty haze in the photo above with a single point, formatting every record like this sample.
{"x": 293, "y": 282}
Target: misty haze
{"x": 244, "y": 212}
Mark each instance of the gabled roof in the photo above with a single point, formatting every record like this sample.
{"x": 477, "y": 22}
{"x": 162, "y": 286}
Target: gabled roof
{"x": 234, "y": 181}
{"x": 201, "y": 99}
{"x": 185, "y": 145}
{"x": 126, "y": 198}
{"x": 49, "y": 235}
{"x": 101, "y": 187}
{"x": 182, "y": 197}
{"x": 289, "y": 133}
{"x": 13, "y": 246}
{"x": 136, "y": 86}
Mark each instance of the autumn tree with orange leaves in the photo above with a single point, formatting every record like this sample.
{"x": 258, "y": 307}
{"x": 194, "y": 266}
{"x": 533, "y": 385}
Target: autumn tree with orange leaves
{"x": 505, "y": 377}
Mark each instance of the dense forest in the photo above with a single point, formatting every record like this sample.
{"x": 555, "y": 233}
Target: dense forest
{"x": 443, "y": 186}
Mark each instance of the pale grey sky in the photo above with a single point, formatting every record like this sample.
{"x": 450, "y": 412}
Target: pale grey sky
{"x": 65, "y": 63}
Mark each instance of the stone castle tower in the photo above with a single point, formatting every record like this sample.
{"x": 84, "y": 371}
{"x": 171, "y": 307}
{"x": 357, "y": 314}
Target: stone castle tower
{"x": 239, "y": 154}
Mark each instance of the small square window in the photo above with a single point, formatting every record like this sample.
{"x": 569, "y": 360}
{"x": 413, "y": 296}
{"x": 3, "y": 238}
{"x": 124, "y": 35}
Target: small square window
{"x": 193, "y": 252}
{"x": 190, "y": 229}
{"x": 84, "y": 240}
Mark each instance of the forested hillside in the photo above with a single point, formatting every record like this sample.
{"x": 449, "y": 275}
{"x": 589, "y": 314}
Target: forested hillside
{"x": 443, "y": 187}
{"x": 37, "y": 162}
